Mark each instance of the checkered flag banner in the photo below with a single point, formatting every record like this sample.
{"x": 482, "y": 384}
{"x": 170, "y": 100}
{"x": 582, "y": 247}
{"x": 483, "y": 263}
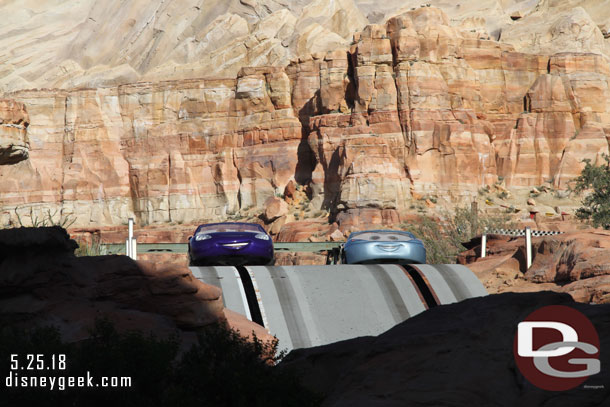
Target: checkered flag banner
{"x": 521, "y": 232}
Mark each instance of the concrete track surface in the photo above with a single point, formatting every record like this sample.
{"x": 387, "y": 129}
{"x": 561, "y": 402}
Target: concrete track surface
{"x": 308, "y": 306}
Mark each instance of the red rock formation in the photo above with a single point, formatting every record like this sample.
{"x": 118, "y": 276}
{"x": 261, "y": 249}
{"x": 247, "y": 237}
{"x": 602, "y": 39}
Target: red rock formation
{"x": 14, "y": 121}
{"x": 575, "y": 263}
{"x": 274, "y": 208}
{"x": 414, "y": 107}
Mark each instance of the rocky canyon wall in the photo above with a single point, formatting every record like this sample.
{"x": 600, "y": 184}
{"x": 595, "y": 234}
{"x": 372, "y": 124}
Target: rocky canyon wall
{"x": 414, "y": 107}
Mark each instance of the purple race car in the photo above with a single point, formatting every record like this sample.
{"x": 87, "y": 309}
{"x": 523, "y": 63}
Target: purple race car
{"x": 230, "y": 244}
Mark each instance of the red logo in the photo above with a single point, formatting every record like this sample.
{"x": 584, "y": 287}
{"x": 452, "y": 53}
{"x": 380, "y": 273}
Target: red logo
{"x": 556, "y": 348}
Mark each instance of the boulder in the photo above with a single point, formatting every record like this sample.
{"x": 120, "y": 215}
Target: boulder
{"x": 42, "y": 283}
{"x": 336, "y": 236}
{"x": 274, "y": 208}
{"x": 290, "y": 191}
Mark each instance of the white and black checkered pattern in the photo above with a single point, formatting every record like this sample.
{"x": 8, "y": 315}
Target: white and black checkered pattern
{"x": 521, "y": 232}
{"x": 544, "y": 233}
{"x": 506, "y": 232}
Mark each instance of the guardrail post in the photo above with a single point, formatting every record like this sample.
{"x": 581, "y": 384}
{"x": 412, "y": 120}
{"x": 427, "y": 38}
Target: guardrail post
{"x": 528, "y": 246}
{"x": 484, "y": 243}
{"x": 134, "y": 251}
{"x": 130, "y": 243}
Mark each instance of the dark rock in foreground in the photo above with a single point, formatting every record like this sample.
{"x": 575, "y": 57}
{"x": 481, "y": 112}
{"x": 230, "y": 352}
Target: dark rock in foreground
{"x": 454, "y": 355}
{"x": 43, "y": 283}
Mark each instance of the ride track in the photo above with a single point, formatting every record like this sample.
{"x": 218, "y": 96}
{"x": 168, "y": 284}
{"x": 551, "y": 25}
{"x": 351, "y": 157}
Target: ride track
{"x": 306, "y": 306}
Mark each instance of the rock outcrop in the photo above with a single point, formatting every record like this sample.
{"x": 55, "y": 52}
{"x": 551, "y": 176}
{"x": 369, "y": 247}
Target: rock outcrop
{"x": 59, "y": 44}
{"x": 459, "y": 355}
{"x": 168, "y": 152}
{"x": 575, "y": 263}
{"x": 414, "y": 107}
{"x": 561, "y": 26}
{"x": 91, "y": 44}
{"x": 42, "y": 283}
{"x": 14, "y": 120}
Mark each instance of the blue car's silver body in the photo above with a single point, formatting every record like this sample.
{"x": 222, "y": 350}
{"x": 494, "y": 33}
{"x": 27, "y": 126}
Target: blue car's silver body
{"x": 384, "y": 246}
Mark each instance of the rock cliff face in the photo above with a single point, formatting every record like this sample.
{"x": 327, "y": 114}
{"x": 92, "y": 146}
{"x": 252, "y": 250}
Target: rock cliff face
{"x": 14, "y": 121}
{"x": 62, "y": 44}
{"x": 174, "y": 151}
{"x": 416, "y": 106}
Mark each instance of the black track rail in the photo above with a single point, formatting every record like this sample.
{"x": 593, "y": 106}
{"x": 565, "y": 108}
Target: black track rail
{"x": 246, "y": 280}
{"x": 422, "y": 286}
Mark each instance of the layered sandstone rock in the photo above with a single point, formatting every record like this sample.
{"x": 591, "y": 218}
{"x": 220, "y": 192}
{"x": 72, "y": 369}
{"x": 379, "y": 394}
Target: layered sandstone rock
{"x": 92, "y": 44}
{"x": 566, "y": 120}
{"x": 561, "y": 26}
{"x": 58, "y": 44}
{"x": 414, "y": 107}
{"x": 14, "y": 121}
{"x": 168, "y": 152}
{"x": 423, "y": 107}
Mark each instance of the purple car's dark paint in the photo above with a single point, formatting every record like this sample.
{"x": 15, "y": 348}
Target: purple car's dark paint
{"x": 230, "y": 244}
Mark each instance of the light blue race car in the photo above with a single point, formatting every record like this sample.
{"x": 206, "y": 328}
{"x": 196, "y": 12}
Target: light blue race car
{"x": 383, "y": 247}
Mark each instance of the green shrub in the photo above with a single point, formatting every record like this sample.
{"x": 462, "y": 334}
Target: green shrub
{"x": 443, "y": 239}
{"x": 89, "y": 249}
{"x": 503, "y": 195}
{"x": 596, "y": 204}
{"x": 439, "y": 250}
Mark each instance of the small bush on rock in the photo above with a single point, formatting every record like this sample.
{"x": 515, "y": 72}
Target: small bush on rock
{"x": 89, "y": 249}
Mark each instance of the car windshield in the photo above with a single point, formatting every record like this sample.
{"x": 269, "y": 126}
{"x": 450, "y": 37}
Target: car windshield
{"x": 230, "y": 227}
{"x": 389, "y": 236}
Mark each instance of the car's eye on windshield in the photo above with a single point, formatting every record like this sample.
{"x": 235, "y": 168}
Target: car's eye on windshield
{"x": 382, "y": 237}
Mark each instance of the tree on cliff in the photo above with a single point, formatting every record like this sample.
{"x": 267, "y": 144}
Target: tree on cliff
{"x": 596, "y": 204}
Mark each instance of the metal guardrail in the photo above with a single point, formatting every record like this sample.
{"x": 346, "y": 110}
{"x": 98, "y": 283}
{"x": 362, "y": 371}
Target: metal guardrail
{"x": 309, "y": 247}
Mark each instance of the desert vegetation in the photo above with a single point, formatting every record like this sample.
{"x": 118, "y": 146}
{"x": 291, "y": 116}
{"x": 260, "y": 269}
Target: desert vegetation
{"x": 594, "y": 181}
{"x": 443, "y": 237}
{"x": 92, "y": 248}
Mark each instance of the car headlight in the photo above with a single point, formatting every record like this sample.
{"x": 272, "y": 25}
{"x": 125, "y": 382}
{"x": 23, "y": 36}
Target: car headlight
{"x": 262, "y": 236}
{"x": 202, "y": 237}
